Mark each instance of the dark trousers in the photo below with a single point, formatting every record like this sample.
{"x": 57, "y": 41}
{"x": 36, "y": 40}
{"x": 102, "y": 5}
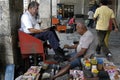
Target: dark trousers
{"x": 50, "y": 36}
{"x": 53, "y": 30}
{"x": 91, "y": 22}
{"x": 101, "y": 43}
{"x": 73, "y": 26}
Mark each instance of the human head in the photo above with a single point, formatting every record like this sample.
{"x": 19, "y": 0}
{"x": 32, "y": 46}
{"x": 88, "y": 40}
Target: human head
{"x": 81, "y": 28}
{"x": 33, "y": 7}
{"x": 104, "y": 2}
{"x": 74, "y": 16}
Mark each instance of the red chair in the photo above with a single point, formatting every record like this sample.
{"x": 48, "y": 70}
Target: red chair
{"x": 31, "y": 45}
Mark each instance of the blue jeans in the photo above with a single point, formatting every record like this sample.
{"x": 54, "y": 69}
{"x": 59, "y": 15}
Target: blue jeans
{"x": 76, "y": 62}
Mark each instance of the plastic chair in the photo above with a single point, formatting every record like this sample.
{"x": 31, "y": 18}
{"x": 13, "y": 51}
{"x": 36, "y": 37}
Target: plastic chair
{"x": 61, "y": 28}
{"x": 55, "y": 21}
{"x": 31, "y": 45}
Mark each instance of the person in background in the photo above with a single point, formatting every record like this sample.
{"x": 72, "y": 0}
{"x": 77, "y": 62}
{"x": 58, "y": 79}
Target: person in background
{"x": 95, "y": 6}
{"x": 85, "y": 48}
{"x": 72, "y": 23}
{"x": 103, "y": 14}
{"x": 29, "y": 25}
{"x": 90, "y": 18}
{"x": 59, "y": 16}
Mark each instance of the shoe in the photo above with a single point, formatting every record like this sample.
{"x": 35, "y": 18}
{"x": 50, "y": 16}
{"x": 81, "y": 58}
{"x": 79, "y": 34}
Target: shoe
{"x": 109, "y": 55}
{"x": 59, "y": 51}
{"x": 66, "y": 57}
{"x": 58, "y": 58}
{"x": 98, "y": 52}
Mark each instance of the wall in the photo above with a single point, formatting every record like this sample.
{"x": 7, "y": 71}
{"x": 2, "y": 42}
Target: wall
{"x": 16, "y": 10}
{"x": 6, "y": 52}
{"x": 9, "y": 12}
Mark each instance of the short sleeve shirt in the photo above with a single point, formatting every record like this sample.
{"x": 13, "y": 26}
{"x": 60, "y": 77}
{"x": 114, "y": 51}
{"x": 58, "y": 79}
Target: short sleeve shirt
{"x": 103, "y": 15}
{"x": 28, "y": 21}
{"x": 72, "y": 20}
{"x": 87, "y": 41}
{"x": 90, "y": 14}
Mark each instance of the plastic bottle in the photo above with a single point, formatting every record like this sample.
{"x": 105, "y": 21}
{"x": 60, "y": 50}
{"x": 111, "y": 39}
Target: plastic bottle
{"x": 93, "y": 61}
{"x": 31, "y": 60}
{"x": 52, "y": 73}
{"x": 100, "y": 64}
{"x": 94, "y": 70}
{"x": 111, "y": 74}
{"x": 87, "y": 64}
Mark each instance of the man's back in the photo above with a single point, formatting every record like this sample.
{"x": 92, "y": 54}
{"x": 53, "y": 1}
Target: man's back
{"x": 87, "y": 41}
{"x": 103, "y": 15}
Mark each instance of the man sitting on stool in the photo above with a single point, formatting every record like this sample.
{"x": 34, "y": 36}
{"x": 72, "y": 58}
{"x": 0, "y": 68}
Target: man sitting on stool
{"x": 85, "y": 48}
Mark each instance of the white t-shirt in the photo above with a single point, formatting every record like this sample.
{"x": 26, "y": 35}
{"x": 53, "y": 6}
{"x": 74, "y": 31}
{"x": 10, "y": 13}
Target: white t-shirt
{"x": 87, "y": 41}
{"x": 90, "y": 14}
{"x": 28, "y": 21}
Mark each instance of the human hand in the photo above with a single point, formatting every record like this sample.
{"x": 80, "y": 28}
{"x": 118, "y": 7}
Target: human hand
{"x": 43, "y": 30}
{"x": 116, "y": 29}
{"x": 66, "y": 46}
{"x": 86, "y": 57}
{"x": 72, "y": 58}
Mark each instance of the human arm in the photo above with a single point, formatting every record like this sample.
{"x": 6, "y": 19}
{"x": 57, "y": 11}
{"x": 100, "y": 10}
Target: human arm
{"x": 70, "y": 47}
{"x": 114, "y": 21}
{"x": 82, "y": 52}
{"x": 96, "y": 15}
{"x": 115, "y": 24}
{"x": 32, "y": 30}
{"x": 85, "y": 45}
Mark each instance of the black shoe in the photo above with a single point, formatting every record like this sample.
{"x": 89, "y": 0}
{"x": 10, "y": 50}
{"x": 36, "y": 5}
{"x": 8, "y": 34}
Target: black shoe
{"x": 109, "y": 55}
{"x": 58, "y": 58}
{"x": 98, "y": 52}
{"x": 66, "y": 58}
{"x": 59, "y": 51}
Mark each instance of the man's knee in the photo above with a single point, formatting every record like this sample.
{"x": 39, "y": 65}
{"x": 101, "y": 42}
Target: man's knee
{"x": 50, "y": 32}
